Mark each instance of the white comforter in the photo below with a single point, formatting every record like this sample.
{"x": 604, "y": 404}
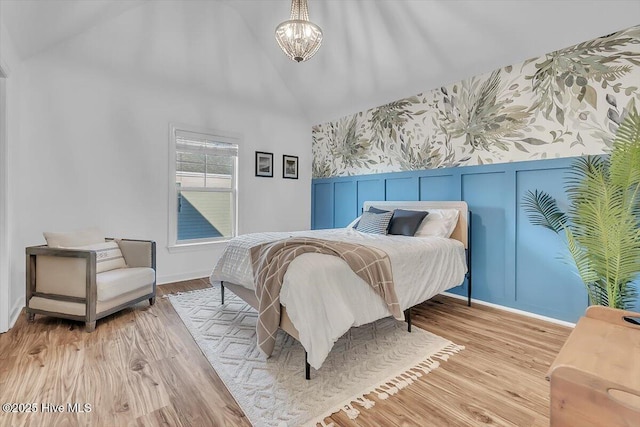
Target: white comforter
{"x": 324, "y": 297}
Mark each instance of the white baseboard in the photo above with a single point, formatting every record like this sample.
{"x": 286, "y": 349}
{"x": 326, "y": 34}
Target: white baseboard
{"x": 513, "y": 310}
{"x": 163, "y": 280}
{"x": 15, "y": 312}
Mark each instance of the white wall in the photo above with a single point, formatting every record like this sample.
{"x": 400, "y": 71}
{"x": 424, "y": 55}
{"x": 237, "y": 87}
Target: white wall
{"x": 93, "y": 121}
{"x": 10, "y": 289}
{"x": 4, "y": 223}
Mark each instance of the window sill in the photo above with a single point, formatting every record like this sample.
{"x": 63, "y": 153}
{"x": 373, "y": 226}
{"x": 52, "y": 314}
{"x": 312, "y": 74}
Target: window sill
{"x": 200, "y": 246}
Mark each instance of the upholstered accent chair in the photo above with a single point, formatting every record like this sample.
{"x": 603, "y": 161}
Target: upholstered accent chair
{"x": 83, "y": 276}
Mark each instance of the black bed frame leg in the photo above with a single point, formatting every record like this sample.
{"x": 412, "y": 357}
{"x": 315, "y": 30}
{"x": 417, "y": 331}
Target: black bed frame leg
{"x": 307, "y": 367}
{"x": 222, "y": 292}
{"x": 407, "y": 317}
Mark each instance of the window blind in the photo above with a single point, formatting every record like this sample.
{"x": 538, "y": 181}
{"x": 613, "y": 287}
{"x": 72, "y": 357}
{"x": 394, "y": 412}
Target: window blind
{"x": 194, "y": 143}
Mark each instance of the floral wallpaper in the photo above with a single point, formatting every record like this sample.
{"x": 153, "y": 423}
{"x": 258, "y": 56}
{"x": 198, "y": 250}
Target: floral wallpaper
{"x": 566, "y": 103}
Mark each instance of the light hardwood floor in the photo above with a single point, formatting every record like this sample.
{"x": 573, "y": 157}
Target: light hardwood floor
{"x": 141, "y": 367}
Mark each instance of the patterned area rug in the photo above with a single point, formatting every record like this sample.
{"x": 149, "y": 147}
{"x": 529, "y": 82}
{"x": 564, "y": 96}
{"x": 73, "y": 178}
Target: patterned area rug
{"x": 379, "y": 358}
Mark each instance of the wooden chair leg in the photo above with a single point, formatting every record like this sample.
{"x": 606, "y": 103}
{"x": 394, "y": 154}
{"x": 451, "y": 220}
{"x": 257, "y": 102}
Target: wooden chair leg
{"x": 152, "y": 300}
{"x": 31, "y": 317}
{"x": 90, "y": 326}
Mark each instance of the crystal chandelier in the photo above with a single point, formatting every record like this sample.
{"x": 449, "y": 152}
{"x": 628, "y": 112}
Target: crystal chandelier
{"x": 298, "y": 37}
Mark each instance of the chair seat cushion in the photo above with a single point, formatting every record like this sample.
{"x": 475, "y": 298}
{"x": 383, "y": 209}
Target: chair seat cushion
{"x": 113, "y": 283}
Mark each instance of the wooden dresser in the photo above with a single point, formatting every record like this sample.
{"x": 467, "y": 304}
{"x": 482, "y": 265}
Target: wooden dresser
{"x": 595, "y": 380}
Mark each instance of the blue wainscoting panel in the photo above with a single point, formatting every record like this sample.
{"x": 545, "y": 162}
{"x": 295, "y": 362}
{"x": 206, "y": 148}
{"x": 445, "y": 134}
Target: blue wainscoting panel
{"x": 345, "y": 201}
{"x": 402, "y": 188}
{"x": 515, "y": 264}
{"x": 438, "y": 188}
{"x": 442, "y": 187}
{"x": 322, "y": 205}
{"x": 546, "y": 280}
{"x": 369, "y": 189}
{"x": 484, "y": 193}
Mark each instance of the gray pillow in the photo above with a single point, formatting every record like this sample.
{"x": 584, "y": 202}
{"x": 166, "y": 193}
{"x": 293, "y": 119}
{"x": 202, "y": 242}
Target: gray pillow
{"x": 406, "y": 223}
{"x": 374, "y": 210}
{"x": 374, "y": 223}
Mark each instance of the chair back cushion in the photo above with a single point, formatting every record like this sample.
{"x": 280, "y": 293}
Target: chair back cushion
{"x": 71, "y": 239}
{"x": 108, "y": 256}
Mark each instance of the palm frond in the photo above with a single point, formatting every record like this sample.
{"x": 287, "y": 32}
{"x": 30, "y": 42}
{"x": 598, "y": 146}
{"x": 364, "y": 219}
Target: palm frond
{"x": 586, "y": 171}
{"x": 585, "y": 268}
{"x": 543, "y": 210}
{"x": 625, "y": 157}
{"x": 597, "y": 294}
{"x": 602, "y": 225}
{"x": 628, "y": 296}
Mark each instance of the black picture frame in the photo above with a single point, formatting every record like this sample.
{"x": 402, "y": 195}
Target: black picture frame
{"x": 289, "y": 167}
{"x": 264, "y": 164}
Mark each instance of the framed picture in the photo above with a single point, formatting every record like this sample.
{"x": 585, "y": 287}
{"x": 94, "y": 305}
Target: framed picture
{"x": 264, "y": 164}
{"x": 290, "y": 167}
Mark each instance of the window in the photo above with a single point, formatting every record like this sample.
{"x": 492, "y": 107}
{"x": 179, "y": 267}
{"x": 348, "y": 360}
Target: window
{"x": 203, "y": 195}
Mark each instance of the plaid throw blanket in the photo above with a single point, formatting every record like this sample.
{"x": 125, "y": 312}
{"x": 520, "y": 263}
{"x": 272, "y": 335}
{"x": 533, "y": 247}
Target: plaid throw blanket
{"x": 271, "y": 260}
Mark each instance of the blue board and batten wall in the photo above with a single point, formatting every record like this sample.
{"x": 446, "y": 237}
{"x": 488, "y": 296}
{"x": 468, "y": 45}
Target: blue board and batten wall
{"x": 515, "y": 264}
{"x": 487, "y": 140}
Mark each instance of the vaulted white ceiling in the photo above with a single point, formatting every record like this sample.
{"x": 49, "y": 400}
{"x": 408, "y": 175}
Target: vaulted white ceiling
{"x": 36, "y": 25}
{"x": 373, "y": 51}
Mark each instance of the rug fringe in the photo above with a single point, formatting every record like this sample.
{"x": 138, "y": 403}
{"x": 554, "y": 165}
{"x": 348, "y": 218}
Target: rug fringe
{"x": 389, "y": 386}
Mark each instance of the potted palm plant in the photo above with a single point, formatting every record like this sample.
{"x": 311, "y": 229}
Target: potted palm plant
{"x": 602, "y": 224}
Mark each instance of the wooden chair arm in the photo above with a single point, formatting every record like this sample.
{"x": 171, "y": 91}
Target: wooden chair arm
{"x": 60, "y": 273}
{"x": 59, "y": 252}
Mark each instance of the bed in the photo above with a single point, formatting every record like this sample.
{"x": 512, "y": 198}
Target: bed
{"x": 321, "y": 297}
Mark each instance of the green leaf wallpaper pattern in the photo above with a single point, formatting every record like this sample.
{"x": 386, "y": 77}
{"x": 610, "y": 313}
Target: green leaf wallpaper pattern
{"x": 563, "y": 104}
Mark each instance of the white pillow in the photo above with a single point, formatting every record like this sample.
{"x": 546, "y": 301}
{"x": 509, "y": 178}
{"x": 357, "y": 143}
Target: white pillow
{"x": 108, "y": 256}
{"x": 89, "y": 236}
{"x": 439, "y": 223}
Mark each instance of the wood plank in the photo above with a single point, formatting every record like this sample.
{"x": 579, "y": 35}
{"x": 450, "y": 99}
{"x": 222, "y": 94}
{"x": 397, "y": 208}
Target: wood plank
{"x": 142, "y": 367}
{"x": 163, "y": 417}
{"x": 105, "y": 385}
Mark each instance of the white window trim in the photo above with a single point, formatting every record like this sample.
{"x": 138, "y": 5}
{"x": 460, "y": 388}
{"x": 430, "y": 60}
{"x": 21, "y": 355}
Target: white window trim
{"x": 196, "y": 244}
